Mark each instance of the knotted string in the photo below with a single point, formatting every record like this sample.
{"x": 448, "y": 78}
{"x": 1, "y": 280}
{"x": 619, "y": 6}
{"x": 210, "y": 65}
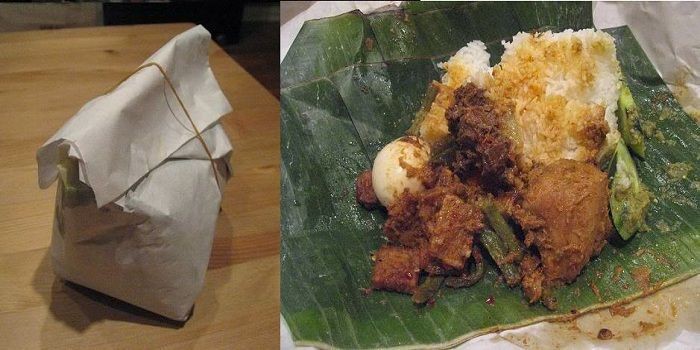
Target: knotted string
{"x": 198, "y": 135}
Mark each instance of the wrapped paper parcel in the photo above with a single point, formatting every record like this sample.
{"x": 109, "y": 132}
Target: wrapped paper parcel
{"x": 137, "y": 198}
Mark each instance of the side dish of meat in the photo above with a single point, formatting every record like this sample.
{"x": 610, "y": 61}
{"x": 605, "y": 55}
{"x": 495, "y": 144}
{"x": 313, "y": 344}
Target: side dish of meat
{"x": 561, "y": 209}
{"x": 513, "y": 160}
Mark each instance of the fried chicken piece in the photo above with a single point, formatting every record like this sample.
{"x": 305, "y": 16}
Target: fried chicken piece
{"x": 572, "y": 199}
{"x": 397, "y": 268}
{"x": 364, "y": 193}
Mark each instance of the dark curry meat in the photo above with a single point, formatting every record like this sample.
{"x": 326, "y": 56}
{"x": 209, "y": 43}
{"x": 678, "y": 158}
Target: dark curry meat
{"x": 482, "y": 149}
{"x": 438, "y": 224}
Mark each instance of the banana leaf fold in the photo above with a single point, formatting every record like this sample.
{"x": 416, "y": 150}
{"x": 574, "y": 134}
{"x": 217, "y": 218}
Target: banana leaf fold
{"x": 352, "y": 83}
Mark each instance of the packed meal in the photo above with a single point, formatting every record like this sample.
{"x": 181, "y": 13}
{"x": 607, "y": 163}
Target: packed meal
{"x": 526, "y": 164}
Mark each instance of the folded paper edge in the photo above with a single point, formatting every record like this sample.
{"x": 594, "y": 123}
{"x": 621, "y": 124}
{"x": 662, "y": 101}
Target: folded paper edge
{"x": 47, "y": 159}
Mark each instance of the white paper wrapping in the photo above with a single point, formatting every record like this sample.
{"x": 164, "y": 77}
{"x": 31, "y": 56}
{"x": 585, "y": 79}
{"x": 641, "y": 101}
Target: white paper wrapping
{"x": 668, "y": 34}
{"x": 146, "y": 239}
{"x": 123, "y": 135}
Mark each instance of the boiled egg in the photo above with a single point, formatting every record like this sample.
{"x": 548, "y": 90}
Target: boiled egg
{"x": 397, "y": 166}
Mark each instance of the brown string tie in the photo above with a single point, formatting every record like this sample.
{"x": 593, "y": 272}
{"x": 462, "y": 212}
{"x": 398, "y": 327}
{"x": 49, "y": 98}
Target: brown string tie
{"x": 198, "y": 135}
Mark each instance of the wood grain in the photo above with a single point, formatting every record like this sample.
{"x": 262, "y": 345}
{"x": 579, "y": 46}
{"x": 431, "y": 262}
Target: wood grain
{"x": 45, "y": 77}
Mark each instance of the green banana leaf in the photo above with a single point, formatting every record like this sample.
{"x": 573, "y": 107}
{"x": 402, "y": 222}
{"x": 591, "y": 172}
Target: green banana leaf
{"x": 352, "y": 83}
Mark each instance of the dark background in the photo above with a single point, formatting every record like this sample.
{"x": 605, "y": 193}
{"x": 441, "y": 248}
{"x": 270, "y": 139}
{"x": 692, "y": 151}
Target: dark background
{"x": 247, "y": 30}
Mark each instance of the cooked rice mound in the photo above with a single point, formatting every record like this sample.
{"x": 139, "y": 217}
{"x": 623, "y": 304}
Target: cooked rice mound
{"x": 563, "y": 90}
{"x": 469, "y": 65}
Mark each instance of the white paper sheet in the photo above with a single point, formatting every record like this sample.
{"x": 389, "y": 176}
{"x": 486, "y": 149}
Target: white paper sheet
{"x": 147, "y": 237}
{"x": 668, "y": 34}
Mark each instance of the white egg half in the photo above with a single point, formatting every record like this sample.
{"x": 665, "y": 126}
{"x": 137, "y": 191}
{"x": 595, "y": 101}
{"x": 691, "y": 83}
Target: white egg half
{"x": 396, "y": 168}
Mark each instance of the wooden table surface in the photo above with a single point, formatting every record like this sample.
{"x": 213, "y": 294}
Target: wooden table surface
{"x": 45, "y": 77}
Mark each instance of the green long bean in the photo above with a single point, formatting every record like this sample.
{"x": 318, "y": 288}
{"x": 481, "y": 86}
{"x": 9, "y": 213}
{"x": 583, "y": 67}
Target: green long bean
{"x": 497, "y": 249}
{"x": 470, "y": 278}
{"x": 499, "y": 224}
